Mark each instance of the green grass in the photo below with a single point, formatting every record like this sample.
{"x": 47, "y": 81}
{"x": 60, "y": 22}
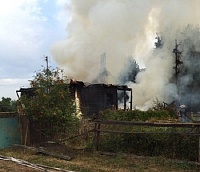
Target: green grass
{"x": 86, "y": 161}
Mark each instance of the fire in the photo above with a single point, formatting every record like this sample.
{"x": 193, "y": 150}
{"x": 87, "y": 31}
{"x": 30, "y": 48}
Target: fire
{"x": 73, "y": 80}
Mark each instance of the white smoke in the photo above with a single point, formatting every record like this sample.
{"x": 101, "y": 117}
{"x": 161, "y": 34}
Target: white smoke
{"x": 110, "y": 26}
{"x": 123, "y": 28}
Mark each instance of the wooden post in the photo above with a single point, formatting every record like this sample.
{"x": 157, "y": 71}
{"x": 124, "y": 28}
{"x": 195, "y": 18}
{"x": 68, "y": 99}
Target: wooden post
{"x": 98, "y": 137}
{"x": 131, "y": 105}
{"x": 25, "y": 142}
{"x": 199, "y": 145}
{"x": 116, "y": 101}
{"x": 124, "y": 98}
{"x": 94, "y": 136}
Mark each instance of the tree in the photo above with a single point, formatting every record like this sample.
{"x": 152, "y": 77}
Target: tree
{"x": 51, "y": 104}
{"x": 131, "y": 69}
{"x": 159, "y": 43}
{"x": 7, "y": 105}
{"x": 178, "y": 61}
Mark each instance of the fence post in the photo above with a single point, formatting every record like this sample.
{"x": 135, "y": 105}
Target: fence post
{"x": 98, "y": 137}
{"x": 94, "y": 136}
{"x": 199, "y": 145}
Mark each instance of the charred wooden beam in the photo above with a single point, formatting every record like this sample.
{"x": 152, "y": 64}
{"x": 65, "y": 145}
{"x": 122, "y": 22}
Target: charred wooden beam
{"x": 149, "y": 132}
{"x": 124, "y": 99}
{"x": 131, "y": 103}
{"x": 65, "y": 157}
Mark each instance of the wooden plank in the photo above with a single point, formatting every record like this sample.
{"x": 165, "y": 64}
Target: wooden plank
{"x": 65, "y": 157}
{"x": 53, "y": 168}
{"x": 181, "y": 125}
{"x": 124, "y": 132}
{"x": 39, "y": 167}
{"x": 62, "y": 141}
{"x": 22, "y": 162}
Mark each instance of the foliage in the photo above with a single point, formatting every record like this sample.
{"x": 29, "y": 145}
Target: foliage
{"x": 51, "y": 104}
{"x": 8, "y": 105}
{"x": 131, "y": 69}
{"x": 181, "y": 146}
{"x": 135, "y": 115}
{"x": 168, "y": 145}
{"x": 159, "y": 42}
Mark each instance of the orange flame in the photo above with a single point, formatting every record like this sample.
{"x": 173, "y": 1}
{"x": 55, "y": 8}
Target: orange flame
{"x": 73, "y": 80}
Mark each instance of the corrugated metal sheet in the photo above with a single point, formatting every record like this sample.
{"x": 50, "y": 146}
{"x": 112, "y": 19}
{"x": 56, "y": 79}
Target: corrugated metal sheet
{"x": 9, "y": 130}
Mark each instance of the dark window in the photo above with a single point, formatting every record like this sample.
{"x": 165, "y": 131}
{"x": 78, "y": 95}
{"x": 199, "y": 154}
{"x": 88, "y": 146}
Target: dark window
{"x": 110, "y": 100}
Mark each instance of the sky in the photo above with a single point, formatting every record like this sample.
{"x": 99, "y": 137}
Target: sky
{"x": 28, "y": 28}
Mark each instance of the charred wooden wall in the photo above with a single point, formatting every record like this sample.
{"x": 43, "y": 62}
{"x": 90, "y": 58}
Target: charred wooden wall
{"x": 98, "y": 97}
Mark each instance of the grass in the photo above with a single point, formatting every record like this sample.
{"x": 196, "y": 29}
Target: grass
{"x": 86, "y": 161}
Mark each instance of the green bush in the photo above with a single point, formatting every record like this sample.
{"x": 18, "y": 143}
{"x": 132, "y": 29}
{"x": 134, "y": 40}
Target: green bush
{"x": 172, "y": 146}
{"x": 135, "y": 115}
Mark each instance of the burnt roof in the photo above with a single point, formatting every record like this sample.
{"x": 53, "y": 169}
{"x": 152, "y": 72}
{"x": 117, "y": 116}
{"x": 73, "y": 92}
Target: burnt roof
{"x": 118, "y": 87}
{"x": 26, "y": 91}
{"x": 80, "y": 84}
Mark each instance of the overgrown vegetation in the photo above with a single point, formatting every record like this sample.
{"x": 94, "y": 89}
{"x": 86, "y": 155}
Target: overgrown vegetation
{"x": 8, "y": 105}
{"x": 168, "y": 145}
{"x": 137, "y": 115}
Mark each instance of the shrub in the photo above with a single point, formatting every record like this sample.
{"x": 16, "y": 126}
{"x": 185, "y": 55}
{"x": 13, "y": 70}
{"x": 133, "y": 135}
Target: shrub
{"x": 51, "y": 104}
{"x": 135, "y": 115}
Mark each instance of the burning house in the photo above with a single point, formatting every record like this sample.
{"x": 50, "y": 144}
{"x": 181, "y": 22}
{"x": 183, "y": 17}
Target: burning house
{"x": 97, "y": 97}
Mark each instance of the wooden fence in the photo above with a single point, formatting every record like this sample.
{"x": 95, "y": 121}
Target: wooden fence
{"x": 195, "y": 129}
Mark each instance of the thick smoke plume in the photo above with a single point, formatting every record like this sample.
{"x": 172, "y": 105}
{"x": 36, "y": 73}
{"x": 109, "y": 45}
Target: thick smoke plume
{"x": 123, "y": 28}
{"x": 113, "y": 27}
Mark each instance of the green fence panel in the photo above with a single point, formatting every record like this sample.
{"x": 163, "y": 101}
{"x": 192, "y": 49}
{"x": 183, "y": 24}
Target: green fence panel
{"x": 9, "y": 130}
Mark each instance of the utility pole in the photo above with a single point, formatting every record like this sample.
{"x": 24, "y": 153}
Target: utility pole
{"x": 47, "y": 61}
{"x": 47, "y": 72}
